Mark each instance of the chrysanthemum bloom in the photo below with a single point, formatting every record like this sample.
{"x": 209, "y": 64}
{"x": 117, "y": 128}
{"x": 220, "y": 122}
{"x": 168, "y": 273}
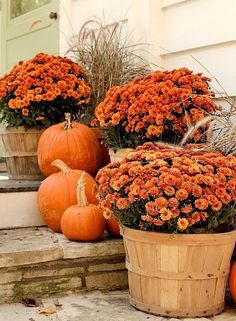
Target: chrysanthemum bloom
{"x": 160, "y": 106}
{"x": 37, "y": 92}
{"x": 170, "y": 190}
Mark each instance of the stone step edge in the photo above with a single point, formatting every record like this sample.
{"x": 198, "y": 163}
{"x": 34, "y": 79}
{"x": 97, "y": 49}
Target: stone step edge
{"x": 62, "y": 277}
{"x": 63, "y": 249}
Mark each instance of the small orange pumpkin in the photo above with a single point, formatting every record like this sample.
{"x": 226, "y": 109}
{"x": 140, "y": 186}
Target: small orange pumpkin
{"x": 83, "y": 222}
{"x": 58, "y": 191}
{"x": 73, "y": 143}
{"x": 232, "y": 281}
{"x": 112, "y": 227}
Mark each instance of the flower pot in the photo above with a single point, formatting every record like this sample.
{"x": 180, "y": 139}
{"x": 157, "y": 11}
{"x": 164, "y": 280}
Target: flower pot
{"x": 119, "y": 154}
{"x": 20, "y": 147}
{"x": 178, "y": 275}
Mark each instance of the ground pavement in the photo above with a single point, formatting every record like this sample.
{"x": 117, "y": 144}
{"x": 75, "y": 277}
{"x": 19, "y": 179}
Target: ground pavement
{"x": 90, "y": 306}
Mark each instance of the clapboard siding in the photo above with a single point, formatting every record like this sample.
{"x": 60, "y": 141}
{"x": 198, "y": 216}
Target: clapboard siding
{"x": 198, "y": 23}
{"x": 201, "y": 29}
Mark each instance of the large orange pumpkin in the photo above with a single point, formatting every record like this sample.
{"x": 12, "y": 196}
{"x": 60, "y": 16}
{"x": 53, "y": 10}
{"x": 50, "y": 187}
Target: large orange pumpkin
{"x": 232, "y": 281}
{"x": 84, "y": 221}
{"x": 73, "y": 143}
{"x": 58, "y": 191}
{"x": 112, "y": 227}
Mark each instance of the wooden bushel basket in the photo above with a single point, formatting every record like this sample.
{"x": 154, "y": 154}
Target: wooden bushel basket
{"x": 178, "y": 275}
{"x": 21, "y": 153}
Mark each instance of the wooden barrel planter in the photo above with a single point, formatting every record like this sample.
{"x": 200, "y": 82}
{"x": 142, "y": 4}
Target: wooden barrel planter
{"x": 20, "y": 151}
{"x": 178, "y": 276}
{"x": 119, "y": 154}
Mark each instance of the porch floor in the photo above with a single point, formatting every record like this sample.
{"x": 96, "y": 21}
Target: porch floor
{"x": 93, "y": 306}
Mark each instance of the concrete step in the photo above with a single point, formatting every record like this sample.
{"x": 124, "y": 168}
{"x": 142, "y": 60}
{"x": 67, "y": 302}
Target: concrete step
{"x": 19, "y": 200}
{"x": 36, "y": 262}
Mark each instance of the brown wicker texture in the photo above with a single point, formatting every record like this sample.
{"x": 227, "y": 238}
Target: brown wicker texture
{"x": 21, "y": 153}
{"x": 178, "y": 276}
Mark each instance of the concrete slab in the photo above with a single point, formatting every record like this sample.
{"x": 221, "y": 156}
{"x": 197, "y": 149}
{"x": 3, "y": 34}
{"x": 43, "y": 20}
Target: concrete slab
{"x": 72, "y": 250}
{"x": 28, "y": 246}
{"x": 93, "y": 306}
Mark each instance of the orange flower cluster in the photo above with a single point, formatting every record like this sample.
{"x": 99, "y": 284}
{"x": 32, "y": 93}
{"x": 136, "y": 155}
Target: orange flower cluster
{"x": 169, "y": 190}
{"x": 160, "y": 106}
{"x": 39, "y": 89}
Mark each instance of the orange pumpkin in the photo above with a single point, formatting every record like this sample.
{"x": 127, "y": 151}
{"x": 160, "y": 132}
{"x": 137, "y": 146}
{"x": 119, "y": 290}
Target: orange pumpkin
{"x": 105, "y": 153}
{"x": 112, "y": 227}
{"x": 73, "y": 143}
{"x": 83, "y": 222}
{"x": 58, "y": 191}
{"x": 232, "y": 281}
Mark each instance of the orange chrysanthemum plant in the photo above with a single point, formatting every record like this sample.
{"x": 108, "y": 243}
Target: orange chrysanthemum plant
{"x": 37, "y": 92}
{"x": 159, "y": 107}
{"x": 157, "y": 188}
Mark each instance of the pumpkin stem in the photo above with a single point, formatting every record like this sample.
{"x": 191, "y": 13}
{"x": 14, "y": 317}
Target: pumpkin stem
{"x": 61, "y": 166}
{"x": 68, "y": 124}
{"x": 81, "y": 194}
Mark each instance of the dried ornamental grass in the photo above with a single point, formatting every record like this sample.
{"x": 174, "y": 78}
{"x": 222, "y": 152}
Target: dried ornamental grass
{"x": 157, "y": 188}
{"x": 106, "y": 56}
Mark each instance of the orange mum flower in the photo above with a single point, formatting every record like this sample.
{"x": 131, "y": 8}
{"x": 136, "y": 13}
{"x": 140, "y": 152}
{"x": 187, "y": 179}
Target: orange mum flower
{"x": 182, "y": 224}
{"x": 158, "y": 222}
{"x": 165, "y": 214}
{"x": 212, "y": 199}
{"x": 147, "y": 218}
{"x": 217, "y": 206}
{"x": 25, "y": 112}
{"x": 173, "y": 202}
{"x": 231, "y": 184}
{"x": 181, "y": 194}
{"x": 204, "y": 215}
{"x": 220, "y": 191}
{"x": 226, "y": 198}
{"x": 186, "y": 209}
{"x": 196, "y": 190}
{"x": 169, "y": 190}
{"x": 201, "y": 203}
{"x": 187, "y": 186}
{"x": 122, "y": 203}
{"x": 143, "y": 194}
{"x": 196, "y": 216}
{"x": 170, "y": 179}
{"x": 161, "y": 202}
{"x": 175, "y": 212}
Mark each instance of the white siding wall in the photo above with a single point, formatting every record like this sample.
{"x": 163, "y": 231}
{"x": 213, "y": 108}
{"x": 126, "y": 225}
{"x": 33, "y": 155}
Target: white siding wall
{"x": 0, "y": 41}
{"x": 74, "y": 13}
{"x": 175, "y": 30}
{"x": 204, "y": 29}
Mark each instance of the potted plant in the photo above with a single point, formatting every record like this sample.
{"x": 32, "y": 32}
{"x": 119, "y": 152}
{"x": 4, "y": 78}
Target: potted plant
{"x": 161, "y": 106}
{"x": 33, "y": 95}
{"x": 108, "y": 60}
{"x": 176, "y": 208}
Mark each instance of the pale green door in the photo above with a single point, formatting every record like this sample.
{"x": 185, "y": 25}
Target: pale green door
{"x": 27, "y": 28}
